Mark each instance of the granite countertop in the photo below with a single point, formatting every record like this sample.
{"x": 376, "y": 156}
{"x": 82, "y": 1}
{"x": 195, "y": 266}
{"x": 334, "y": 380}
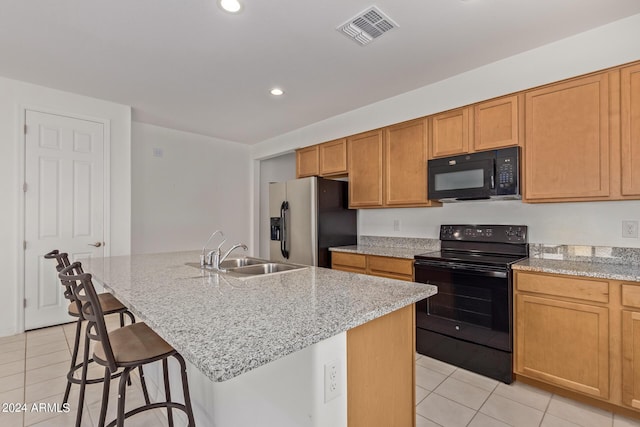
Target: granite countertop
{"x": 397, "y": 247}
{"x": 227, "y": 326}
{"x": 601, "y": 270}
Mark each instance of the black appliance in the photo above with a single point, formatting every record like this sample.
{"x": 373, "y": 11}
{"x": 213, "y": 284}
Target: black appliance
{"x": 483, "y": 175}
{"x": 469, "y": 322}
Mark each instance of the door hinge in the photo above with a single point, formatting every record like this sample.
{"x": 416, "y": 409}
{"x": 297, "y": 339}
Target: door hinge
{"x": 24, "y": 245}
{"x": 24, "y": 303}
{"x": 25, "y": 128}
{"x": 24, "y": 187}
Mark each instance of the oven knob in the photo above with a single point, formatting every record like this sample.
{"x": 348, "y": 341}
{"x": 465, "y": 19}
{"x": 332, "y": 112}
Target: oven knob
{"x": 457, "y": 327}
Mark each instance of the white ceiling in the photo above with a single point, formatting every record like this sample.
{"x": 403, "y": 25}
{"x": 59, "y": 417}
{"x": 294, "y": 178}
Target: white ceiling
{"x": 186, "y": 64}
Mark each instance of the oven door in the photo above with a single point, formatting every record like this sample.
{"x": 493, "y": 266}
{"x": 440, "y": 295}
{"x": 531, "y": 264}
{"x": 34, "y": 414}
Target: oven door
{"x": 473, "y": 302}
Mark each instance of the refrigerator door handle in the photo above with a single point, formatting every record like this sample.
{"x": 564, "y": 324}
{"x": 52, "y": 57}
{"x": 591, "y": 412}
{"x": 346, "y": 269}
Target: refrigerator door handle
{"x": 283, "y": 218}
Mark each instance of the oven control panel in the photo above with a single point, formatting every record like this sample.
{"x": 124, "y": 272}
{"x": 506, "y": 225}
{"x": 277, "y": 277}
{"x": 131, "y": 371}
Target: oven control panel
{"x": 485, "y": 233}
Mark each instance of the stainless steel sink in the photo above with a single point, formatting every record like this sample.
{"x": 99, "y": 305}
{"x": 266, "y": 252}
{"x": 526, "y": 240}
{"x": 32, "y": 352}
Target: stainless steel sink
{"x": 240, "y": 262}
{"x": 266, "y": 268}
{"x": 246, "y": 267}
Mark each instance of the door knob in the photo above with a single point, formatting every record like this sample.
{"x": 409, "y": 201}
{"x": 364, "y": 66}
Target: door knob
{"x": 96, "y": 244}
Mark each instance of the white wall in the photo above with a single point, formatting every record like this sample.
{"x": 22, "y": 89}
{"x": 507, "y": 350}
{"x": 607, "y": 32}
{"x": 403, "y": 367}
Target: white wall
{"x": 570, "y": 223}
{"x": 276, "y": 169}
{"x": 200, "y": 184}
{"x": 15, "y": 95}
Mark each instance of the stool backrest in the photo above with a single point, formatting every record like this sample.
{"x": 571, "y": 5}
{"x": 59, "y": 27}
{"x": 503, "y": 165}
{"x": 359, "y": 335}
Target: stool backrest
{"x": 84, "y": 291}
{"x": 63, "y": 261}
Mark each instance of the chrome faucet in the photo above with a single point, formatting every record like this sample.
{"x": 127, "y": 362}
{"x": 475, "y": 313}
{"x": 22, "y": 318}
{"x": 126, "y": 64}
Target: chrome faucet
{"x": 205, "y": 260}
{"x": 217, "y": 260}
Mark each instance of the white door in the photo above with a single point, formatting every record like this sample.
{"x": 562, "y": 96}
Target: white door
{"x": 64, "y": 206}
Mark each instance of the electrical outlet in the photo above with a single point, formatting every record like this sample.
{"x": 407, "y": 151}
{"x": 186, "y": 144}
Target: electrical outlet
{"x": 396, "y": 225}
{"x": 331, "y": 380}
{"x": 630, "y": 229}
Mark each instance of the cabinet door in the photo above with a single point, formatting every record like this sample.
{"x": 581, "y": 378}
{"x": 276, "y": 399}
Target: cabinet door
{"x": 497, "y": 123}
{"x": 631, "y": 358}
{"x": 333, "y": 157}
{"x": 381, "y": 371}
{"x": 450, "y": 133}
{"x": 405, "y": 172}
{"x": 563, "y": 343}
{"x": 630, "y": 123}
{"x": 567, "y": 140}
{"x": 365, "y": 169}
{"x": 307, "y": 163}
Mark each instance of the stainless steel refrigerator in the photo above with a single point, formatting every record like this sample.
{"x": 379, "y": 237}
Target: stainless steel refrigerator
{"x": 307, "y": 217}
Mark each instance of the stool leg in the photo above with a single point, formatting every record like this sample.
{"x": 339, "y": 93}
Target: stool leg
{"x": 83, "y": 381}
{"x": 121, "y": 319}
{"x": 144, "y": 386}
{"x": 74, "y": 358}
{"x": 167, "y": 391}
{"x": 122, "y": 389}
{"x": 185, "y": 389}
{"x": 105, "y": 397}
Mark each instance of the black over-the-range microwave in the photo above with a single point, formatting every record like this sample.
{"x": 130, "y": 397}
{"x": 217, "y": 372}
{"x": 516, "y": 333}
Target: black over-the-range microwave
{"x": 491, "y": 174}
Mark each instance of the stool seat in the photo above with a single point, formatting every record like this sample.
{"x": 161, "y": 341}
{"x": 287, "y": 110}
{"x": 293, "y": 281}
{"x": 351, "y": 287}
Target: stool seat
{"x": 108, "y": 302}
{"x": 133, "y": 344}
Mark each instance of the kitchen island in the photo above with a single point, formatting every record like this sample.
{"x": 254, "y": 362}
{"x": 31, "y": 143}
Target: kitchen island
{"x": 258, "y": 348}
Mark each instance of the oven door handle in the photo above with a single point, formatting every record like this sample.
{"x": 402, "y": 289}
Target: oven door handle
{"x": 476, "y": 270}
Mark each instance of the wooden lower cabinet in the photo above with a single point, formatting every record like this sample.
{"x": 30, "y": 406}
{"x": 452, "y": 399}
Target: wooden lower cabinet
{"x": 563, "y": 343}
{"x": 373, "y": 265}
{"x": 631, "y": 358}
{"x": 579, "y": 337}
{"x": 381, "y": 357}
{"x": 353, "y": 263}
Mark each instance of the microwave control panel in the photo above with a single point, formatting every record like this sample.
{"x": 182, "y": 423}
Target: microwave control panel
{"x": 507, "y": 172}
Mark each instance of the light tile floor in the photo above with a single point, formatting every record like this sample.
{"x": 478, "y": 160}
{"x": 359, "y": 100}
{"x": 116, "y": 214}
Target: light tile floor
{"x": 448, "y": 396}
{"x": 33, "y": 369}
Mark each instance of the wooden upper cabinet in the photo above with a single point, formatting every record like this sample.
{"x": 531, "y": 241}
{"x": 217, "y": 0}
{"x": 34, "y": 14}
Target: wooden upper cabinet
{"x": 364, "y": 153}
{"x": 405, "y": 171}
{"x": 333, "y": 157}
{"x": 567, "y": 141}
{"x": 450, "y": 133}
{"x": 498, "y": 123}
{"x": 630, "y": 129}
{"x": 307, "y": 162}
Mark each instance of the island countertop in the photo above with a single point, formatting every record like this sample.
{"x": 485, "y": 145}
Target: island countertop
{"x": 227, "y": 326}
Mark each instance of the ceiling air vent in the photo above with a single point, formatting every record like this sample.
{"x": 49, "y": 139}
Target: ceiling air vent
{"x": 367, "y": 26}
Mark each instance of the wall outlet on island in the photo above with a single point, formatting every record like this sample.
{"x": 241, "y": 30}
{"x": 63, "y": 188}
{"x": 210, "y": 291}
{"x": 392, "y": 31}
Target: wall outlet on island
{"x": 331, "y": 380}
{"x": 630, "y": 229}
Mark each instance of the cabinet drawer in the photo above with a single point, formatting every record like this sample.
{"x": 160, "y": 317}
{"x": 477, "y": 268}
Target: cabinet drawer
{"x": 631, "y": 295}
{"x": 563, "y": 286}
{"x": 391, "y": 265}
{"x": 355, "y": 261}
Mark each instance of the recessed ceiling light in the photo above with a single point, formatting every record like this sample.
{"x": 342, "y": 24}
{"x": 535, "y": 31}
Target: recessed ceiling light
{"x": 276, "y": 91}
{"x": 232, "y": 6}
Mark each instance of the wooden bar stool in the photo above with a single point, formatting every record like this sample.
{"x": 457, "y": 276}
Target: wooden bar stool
{"x": 126, "y": 348}
{"x": 109, "y": 305}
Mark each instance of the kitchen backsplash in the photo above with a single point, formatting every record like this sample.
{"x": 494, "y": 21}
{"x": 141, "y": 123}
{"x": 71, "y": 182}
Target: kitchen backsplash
{"x": 583, "y": 253}
{"x": 604, "y": 254}
{"x": 400, "y": 242}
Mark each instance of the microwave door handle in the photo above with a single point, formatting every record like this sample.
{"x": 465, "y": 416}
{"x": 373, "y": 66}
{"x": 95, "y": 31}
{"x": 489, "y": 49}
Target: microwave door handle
{"x": 493, "y": 177}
